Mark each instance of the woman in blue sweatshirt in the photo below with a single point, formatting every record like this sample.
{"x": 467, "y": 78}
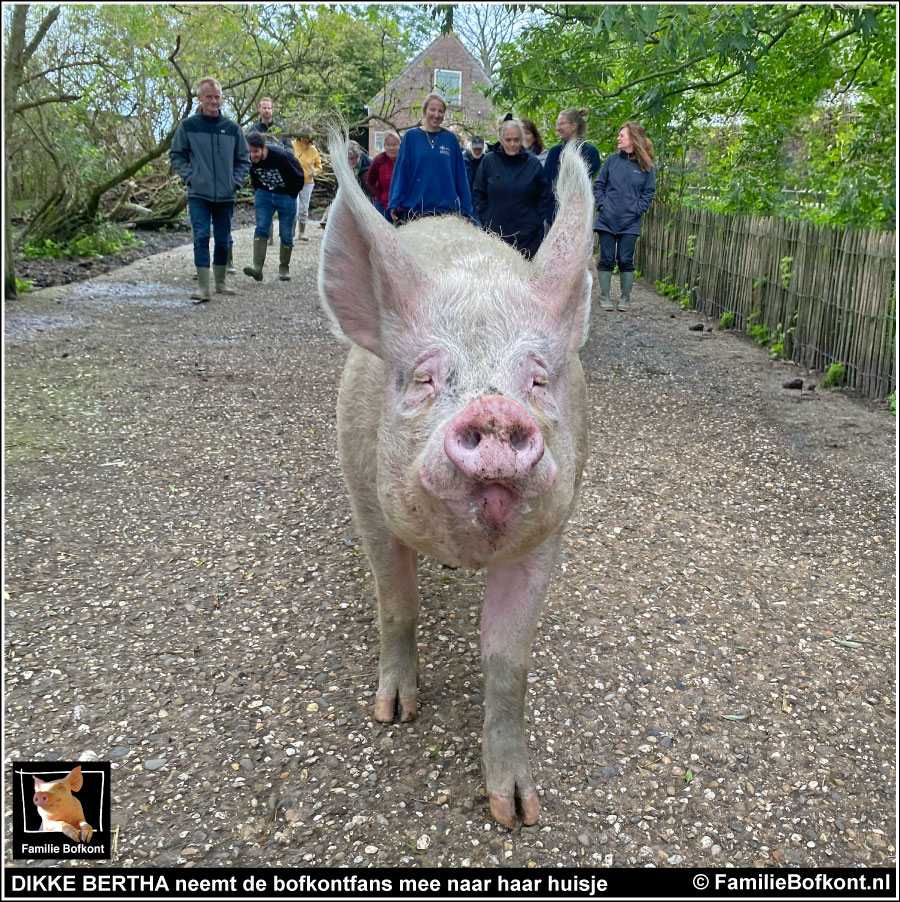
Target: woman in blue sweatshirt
{"x": 430, "y": 175}
{"x": 622, "y": 193}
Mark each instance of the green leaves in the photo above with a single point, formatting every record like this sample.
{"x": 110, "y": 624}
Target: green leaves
{"x": 739, "y": 98}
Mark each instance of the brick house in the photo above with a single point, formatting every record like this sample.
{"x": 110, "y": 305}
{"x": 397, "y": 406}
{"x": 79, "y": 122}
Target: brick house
{"x": 447, "y": 68}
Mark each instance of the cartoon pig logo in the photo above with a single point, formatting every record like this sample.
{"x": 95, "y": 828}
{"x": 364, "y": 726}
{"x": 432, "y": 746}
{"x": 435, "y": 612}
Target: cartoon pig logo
{"x": 60, "y": 811}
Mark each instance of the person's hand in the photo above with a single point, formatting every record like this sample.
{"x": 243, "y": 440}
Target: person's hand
{"x": 394, "y": 216}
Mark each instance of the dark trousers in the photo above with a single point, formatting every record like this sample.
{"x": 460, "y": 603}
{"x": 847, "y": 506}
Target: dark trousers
{"x": 616, "y": 249}
{"x": 208, "y": 218}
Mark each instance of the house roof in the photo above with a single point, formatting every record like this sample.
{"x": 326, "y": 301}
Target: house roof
{"x": 378, "y": 99}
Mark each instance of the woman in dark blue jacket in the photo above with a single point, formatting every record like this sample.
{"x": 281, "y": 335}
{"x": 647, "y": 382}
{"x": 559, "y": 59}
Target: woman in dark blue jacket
{"x": 510, "y": 194}
{"x": 622, "y": 193}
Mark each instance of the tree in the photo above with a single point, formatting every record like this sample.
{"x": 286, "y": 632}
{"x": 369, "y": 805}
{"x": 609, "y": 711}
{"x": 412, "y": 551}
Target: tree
{"x": 94, "y": 94}
{"x": 485, "y": 27}
{"x": 731, "y": 86}
{"x": 18, "y": 56}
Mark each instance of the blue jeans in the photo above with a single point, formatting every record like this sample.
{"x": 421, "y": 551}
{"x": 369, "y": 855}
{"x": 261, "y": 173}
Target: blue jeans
{"x": 202, "y": 213}
{"x": 265, "y": 205}
{"x": 610, "y": 254}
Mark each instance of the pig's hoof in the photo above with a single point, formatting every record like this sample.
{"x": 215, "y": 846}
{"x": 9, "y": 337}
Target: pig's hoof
{"x": 70, "y": 831}
{"x": 87, "y": 831}
{"x": 387, "y": 709}
{"x": 503, "y": 809}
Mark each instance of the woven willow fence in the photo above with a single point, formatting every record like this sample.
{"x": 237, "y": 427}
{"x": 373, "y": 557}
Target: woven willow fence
{"x": 828, "y": 294}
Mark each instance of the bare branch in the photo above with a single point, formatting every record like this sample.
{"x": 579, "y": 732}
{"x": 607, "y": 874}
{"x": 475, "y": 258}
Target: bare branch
{"x": 40, "y": 34}
{"x": 100, "y": 63}
{"x": 173, "y": 59}
{"x": 55, "y": 98}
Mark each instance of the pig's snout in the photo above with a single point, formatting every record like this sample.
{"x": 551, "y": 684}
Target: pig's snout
{"x": 41, "y": 799}
{"x": 494, "y": 439}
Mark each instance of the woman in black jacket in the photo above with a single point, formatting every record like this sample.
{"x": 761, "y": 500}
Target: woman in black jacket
{"x": 511, "y": 196}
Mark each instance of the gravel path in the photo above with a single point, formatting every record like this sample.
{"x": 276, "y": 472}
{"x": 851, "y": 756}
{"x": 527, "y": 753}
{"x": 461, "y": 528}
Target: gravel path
{"x": 713, "y": 679}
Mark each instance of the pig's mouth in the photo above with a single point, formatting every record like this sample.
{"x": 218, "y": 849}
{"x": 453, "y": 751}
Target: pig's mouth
{"x": 489, "y": 514}
{"x": 486, "y": 513}
{"x": 495, "y": 507}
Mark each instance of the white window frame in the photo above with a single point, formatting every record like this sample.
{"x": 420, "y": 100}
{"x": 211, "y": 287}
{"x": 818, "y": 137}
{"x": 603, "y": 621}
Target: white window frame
{"x": 451, "y": 99}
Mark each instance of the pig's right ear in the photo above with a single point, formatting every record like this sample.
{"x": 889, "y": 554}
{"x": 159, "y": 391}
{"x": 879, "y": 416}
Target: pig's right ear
{"x": 366, "y": 275}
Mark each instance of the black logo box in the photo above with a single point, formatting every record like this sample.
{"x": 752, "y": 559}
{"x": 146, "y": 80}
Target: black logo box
{"x": 29, "y": 841}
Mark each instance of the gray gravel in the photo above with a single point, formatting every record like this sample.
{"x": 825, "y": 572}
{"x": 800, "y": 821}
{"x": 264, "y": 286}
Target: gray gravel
{"x": 713, "y": 680}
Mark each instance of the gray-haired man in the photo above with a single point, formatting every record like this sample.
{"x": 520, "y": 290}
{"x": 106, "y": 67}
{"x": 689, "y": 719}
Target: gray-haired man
{"x": 210, "y": 155}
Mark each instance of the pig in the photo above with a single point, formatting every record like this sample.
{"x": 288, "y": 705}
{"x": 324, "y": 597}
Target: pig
{"x": 60, "y": 811}
{"x": 462, "y": 431}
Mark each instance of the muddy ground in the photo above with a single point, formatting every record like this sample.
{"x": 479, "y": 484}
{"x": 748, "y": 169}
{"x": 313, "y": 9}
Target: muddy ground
{"x": 713, "y": 679}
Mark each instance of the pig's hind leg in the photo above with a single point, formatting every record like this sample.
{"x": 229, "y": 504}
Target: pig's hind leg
{"x": 394, "y": 566}
{"x": 514, "y": 598}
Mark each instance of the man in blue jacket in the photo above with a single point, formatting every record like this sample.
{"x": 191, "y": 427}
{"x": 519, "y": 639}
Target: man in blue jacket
{"x": 210, "y": 156}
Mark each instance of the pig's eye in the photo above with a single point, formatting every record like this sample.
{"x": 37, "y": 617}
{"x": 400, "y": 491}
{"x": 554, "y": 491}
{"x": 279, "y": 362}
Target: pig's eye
{"x": 540, "y": 380}
{"x": 418, "y": 392}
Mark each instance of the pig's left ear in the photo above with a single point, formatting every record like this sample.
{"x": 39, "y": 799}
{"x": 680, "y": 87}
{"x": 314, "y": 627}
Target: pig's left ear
{"x": 366, "y": 275}
{"x": 560, "y": 275}
{"x": 75, "y": 780}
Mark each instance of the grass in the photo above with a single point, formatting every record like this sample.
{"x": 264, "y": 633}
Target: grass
{"x": 726, "y": 321}
{"x": 681, "y": 296}
{"x": 834, "y": 376}
{"x": 107, "y": 239}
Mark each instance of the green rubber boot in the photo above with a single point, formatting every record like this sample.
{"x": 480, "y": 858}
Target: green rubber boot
{"x": 219, "y": 274}
{"x": 229, "y": 266}
{"x": 284, "y": 262}
{"x": 626, "y": 281}
{"x": 605, "y": 279}
{"x": 201, "y": 292}
{"x": 260, "y": 245}
{"x": 302, "y": 232}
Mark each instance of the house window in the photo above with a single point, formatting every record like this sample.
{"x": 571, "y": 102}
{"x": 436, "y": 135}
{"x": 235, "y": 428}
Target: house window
{"x": 448, "y": 84}
{"x": 379, "y": 141}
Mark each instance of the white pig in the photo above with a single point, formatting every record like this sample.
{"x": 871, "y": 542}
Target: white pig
{"x": 462, "y": 430}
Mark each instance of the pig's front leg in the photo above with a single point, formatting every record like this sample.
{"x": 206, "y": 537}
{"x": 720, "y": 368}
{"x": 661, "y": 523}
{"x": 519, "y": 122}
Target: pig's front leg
{"x": 70, "y": 831}
{"x": 394, "y": 566}
{"x": 513, "y": 600}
